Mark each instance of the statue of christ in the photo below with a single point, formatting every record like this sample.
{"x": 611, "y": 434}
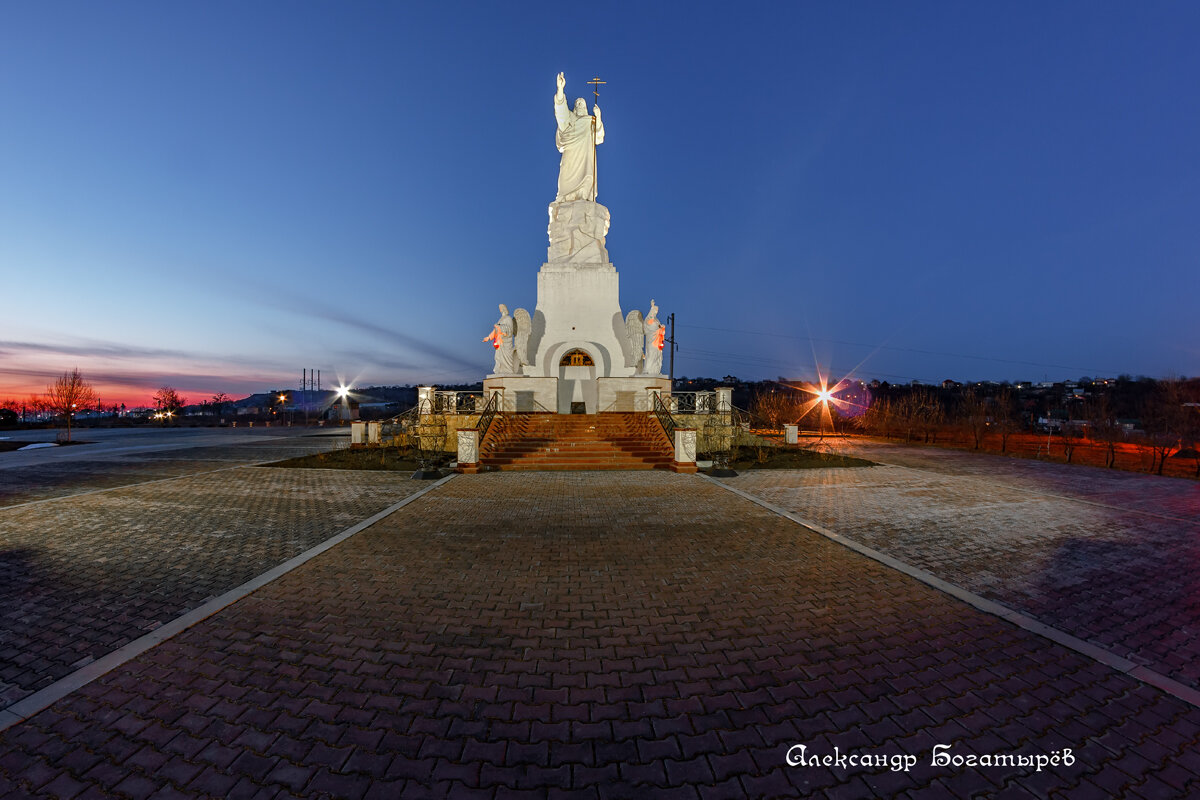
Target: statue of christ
{"x": 577, "y": 136}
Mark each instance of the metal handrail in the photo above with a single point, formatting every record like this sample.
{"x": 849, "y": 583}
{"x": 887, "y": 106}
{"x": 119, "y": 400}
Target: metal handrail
{"x": 448, "y": 402}
{"x": 489, "y": 413}
{"x": 664, "y": 417}
{"x": 693, "y": 402}
{"x": 406, "y": 421}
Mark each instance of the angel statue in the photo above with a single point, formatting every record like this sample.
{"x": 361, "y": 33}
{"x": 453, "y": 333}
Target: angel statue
{"x": 655, "y": 334}
{"x": 510, "y": 340}
{"x": 645, "y": 339}
{"x": 501, "y": 338}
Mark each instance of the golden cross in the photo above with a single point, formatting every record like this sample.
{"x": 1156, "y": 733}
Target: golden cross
{"x": 597, "y": 83}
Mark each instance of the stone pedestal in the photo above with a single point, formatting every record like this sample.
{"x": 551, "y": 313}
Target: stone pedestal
{"x": 523, "y": 393}
{"x": 578, "y": 308}
{"x": 577, "y": 230}
{"x": 685, "y": 450}
{"x": 578, "y": 354}
{"x": 468, "y": 450}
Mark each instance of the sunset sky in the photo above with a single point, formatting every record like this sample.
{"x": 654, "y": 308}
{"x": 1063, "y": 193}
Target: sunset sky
{"x": 216, "y": 195}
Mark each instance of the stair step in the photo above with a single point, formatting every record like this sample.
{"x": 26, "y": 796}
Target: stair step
{"x": 576, "y": 442}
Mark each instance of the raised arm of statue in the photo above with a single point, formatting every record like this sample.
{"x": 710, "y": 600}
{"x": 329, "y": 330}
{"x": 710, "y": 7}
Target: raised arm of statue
{"x": 560, "y": 104}
{"x": 599, "y": 126}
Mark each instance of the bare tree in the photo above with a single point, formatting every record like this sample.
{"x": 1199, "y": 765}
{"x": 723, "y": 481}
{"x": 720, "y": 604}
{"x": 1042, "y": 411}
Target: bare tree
{"x": 1190, "y": 431}
{"x": 775, "y": 407}
{"x": 973, "y": 416}
{"x": 68, "y": 395}
{"x": 1165, "y": 422}
{"x": 35, "y": 404}
{"x": 908, "y": 414}
{"x": 167, "y": 399}
{"x": 218, "y": 403}
{"x": 1104, "y": 428}
{"x": 1071, "y": 434}
{"x": 878, "y": 418}
{"x": 930, "y": 416}
{"x": 1004, "y": 417}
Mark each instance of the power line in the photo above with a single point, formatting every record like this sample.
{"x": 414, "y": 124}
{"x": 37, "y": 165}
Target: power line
{"x": 754, "y": 361}
{"x": 903, "y": 349}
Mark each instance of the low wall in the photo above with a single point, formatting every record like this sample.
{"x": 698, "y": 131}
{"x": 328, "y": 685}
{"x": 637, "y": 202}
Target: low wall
{"x": 699, "y": 422}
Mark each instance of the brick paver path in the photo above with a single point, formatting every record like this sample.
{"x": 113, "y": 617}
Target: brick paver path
{"x": 85, "y": 574}
{"x": 143, "y": 456}
{"x": 599, "y": 635}
{"x": 1109, "y": 557}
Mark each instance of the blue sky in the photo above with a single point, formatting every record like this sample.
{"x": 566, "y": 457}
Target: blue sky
{"x": 217, "y": 195}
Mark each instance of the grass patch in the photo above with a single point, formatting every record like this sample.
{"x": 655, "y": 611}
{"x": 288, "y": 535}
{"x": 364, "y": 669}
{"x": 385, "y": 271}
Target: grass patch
{"x": 792, "y": 458}
{"x": 392, "y": 459}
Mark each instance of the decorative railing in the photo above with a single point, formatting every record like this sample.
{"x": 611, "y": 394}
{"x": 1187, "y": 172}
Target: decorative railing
{"x": 663, "y": 413}
{"x": 419, "y": 429}
{"x": 692, "y": 402}
{"x": 490, "y": 409}
{"x": 401, "y": 426}
{"x": 457, "y": 403}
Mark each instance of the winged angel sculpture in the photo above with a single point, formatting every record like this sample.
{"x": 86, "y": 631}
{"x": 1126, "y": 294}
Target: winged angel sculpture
{"x": 645, "y": 337}
{"x": 510, "y": 340}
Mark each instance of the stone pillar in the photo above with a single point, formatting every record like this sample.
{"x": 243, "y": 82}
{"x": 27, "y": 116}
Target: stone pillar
{"x": 425, "y": 399}
{"x": 468, "y": 449}
{"x": 724, "y": 399}
{"x": 791, "y": 434}
{"x": 685, "y": 450}
{"x": 358, "y": 433}
{"x": 374, "y": 432}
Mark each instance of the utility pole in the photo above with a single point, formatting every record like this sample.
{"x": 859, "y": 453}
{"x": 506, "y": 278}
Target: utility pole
{"x": 671, "y": 370}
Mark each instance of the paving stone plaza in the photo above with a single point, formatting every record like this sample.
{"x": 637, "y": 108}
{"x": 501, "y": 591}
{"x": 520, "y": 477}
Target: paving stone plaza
{"x": 592, "y": 634}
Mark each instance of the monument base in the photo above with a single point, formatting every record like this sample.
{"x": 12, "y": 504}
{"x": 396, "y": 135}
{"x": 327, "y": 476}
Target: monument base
{"x": 560, "y": 395}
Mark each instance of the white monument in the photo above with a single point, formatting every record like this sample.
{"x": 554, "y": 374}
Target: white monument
{"x": 576, "y": 351}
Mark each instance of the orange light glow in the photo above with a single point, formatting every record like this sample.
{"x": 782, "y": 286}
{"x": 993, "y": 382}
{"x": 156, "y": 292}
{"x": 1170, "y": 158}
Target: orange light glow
{"x": 824, "y": 396}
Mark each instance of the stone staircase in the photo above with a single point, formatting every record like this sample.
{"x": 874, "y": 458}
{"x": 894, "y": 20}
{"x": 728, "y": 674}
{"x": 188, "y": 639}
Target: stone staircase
{"x": 613, "y": 440}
